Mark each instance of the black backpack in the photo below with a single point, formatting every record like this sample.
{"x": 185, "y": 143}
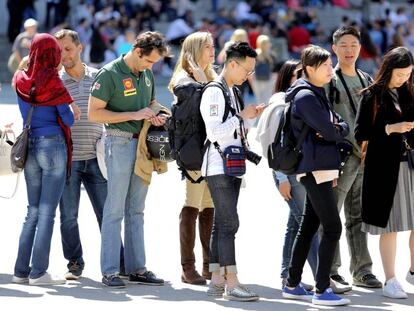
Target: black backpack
{"x": 187, "y": 132}
{"x": 285, "y": 152}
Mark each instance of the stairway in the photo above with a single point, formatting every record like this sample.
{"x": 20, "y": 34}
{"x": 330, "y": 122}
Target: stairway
{"x": 5, "y": 50}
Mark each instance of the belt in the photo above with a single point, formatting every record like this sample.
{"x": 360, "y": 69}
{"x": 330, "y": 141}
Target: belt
{"x": 119, "y": 133}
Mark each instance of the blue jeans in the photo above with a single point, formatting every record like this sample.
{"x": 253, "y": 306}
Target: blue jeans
{"x": 296, "y": 206}
{"x": 225, "y": 194}
{"x": 45, "y": 174}
{"x": 88, "y": 173}
{"x": 126, "y": 197}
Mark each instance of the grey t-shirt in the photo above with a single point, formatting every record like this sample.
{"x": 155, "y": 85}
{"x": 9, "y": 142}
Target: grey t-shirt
{"x": 343, "y": 105}
{"x": 85, "y": 133}
{"x": 22, "y": 44}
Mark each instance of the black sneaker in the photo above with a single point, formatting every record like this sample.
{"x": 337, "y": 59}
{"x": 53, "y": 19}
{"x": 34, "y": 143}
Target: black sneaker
{"x": 75, "y": 270}
{"x": 368, "y": 280}
{"x": 146, "y": 278}
{"x": 113, "y": 281}
{"x": 339, "y": 279}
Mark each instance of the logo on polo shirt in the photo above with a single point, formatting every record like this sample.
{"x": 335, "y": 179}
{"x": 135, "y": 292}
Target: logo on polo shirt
{"x": 129, "y": 88}
{"x": 147, "y": 82}
{"x": 96, "y": 86}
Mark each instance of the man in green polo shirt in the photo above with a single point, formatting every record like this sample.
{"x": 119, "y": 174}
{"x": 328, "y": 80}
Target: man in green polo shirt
{"x": 121, "y": 95}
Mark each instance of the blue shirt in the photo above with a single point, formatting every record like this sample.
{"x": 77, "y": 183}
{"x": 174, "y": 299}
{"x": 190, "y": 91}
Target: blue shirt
{"x": 45, "y": 118}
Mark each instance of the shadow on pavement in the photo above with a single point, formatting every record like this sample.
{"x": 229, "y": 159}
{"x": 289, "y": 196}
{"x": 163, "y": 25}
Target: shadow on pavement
{"x": 8, "y": 292}
{"x": 271, "y": 298}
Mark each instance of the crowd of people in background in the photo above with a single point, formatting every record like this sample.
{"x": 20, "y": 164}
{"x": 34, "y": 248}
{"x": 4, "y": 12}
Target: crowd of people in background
{"x": 107, "y": 28}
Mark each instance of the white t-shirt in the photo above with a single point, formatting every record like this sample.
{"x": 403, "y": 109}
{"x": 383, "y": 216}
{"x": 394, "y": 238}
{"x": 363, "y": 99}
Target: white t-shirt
{"x": 212, "y": 109}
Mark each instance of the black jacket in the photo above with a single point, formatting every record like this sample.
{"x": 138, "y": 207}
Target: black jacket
{"x": 310, "y": 106}
{"x": 384, "y": 152}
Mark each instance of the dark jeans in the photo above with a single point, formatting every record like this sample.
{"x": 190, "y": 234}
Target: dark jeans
{"x": 225, "y": 194}
{"x": 320, "y": 209}
{"x": 88, "y": 173}
{"x": 296, "y": 206}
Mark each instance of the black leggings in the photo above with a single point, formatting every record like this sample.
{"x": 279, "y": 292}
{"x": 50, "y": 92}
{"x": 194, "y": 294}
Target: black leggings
{"x": 320, "y": 209}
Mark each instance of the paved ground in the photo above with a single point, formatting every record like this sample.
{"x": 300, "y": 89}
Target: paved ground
{"x": 263, "y": 216}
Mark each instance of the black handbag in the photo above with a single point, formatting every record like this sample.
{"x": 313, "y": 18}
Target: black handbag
{"x": 410, "y": 153}
{"x": 18, "y": 154}
{"x": 345, "y": 151}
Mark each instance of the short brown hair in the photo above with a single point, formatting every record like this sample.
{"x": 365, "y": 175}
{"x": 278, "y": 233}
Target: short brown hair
{"x": 68, "y": 33}
{"x": 150, "y": 40}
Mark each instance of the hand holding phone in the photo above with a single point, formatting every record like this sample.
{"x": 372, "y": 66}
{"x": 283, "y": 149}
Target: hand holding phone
{"x": 195, "y": 69}
{"x": 260, "y": 108}
{"x": 191, "y": 61}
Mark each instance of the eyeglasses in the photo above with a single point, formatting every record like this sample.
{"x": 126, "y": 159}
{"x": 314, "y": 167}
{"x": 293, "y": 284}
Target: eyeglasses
{"x": 248, "y": 73}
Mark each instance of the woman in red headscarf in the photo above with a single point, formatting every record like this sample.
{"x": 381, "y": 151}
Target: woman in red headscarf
{"x": 49, "y": 153}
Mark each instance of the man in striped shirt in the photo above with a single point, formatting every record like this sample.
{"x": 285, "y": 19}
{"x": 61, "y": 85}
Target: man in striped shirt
{"x": 78, "y": 79}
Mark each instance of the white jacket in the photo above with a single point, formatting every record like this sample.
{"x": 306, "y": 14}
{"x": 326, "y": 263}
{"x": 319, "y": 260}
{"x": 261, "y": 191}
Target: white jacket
{"x": 212, "y": 109}
{"x": 269, "y": 121}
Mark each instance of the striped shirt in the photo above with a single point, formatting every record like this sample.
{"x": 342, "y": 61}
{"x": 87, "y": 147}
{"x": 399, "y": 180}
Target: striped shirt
{"x": 85, "y": 133}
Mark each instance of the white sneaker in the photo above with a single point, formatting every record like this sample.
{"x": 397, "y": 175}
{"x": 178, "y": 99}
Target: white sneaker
{"x": 47, "y": 279}
{"x": 19, "y": 280}
{"x": 393, "y": 289}
{"x": 410, "y": 277}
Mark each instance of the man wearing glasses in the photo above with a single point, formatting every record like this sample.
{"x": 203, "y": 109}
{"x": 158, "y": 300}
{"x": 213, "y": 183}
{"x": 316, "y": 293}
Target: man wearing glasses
{"x": 226, "y": 131}
{"x": 121, "y": 96}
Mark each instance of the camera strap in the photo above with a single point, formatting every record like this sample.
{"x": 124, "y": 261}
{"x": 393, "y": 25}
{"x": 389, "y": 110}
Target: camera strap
{"x": 348, "y": 93}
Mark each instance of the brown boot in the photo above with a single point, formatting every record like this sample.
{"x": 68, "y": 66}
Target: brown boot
{"x": 205, "y": 224}
{"x": 188, "y": 218}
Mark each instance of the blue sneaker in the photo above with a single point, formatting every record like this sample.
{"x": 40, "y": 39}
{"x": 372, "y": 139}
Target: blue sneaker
{"x": 298, "y": 293}
{"x": 329, "y": 298}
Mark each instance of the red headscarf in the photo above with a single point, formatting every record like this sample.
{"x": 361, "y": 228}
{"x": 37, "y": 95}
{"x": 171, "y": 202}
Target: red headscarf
{"x": 40, "y": 84}
{"x": 42, "y": 76}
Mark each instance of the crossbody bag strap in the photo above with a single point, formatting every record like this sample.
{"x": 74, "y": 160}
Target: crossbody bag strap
{"x": 29, "y": 117}
{"x": 227, "y": 101}
{"x": 33, "y": 99}
{"x": 348, "y": 93}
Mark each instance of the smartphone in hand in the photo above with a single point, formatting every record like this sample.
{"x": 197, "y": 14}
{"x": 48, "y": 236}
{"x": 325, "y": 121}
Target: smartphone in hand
{"x": 190, "y": 60}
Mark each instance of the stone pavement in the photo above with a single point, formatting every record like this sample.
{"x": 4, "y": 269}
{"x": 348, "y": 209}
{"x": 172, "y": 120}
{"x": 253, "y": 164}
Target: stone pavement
{"x": 263, "y": 216}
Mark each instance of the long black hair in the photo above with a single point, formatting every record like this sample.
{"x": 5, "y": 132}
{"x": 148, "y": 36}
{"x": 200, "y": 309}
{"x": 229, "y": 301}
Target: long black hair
{"x": 286, "y": 73}
{"x": 397, "y": 58}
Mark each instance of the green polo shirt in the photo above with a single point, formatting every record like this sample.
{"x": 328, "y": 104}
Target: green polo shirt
{"x": 123, "y": 91}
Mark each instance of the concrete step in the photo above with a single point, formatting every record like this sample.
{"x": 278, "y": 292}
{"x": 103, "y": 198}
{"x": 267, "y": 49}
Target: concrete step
{"x": 5, "y": 50}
